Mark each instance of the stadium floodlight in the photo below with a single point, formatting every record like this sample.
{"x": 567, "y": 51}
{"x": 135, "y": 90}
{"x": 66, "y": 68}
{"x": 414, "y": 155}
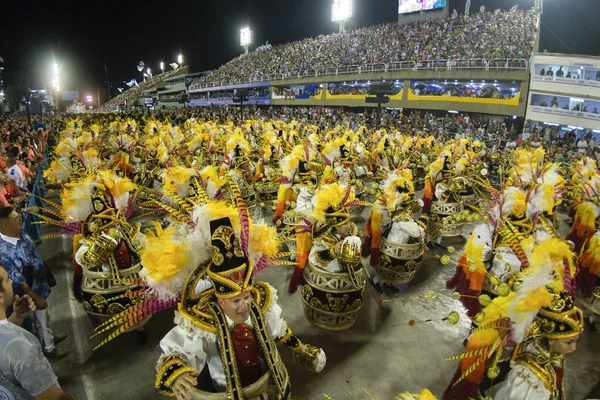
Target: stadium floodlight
{"x": 246, "y": 38}
{"x": 341, "y": 11}
{"x": 162, "y": 66}
{"x": 55, "y": 77}
{"x": 180, "y": 59}
{"x": 89, "y": 98}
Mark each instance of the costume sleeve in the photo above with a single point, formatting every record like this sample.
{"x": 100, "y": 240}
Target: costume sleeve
{"x": 277, "y": 327}
{"x": 521, "y": 384}
{"x": 281, "y": 333}
{"x": 184, "y": 350}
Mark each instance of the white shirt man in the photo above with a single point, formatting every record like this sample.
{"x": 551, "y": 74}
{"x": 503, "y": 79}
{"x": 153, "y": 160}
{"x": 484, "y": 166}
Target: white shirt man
{"x": 582, "y": 145}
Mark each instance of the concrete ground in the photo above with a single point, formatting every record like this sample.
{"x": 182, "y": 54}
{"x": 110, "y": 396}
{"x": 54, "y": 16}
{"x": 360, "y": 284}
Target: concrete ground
{"x": 378, "y": 358}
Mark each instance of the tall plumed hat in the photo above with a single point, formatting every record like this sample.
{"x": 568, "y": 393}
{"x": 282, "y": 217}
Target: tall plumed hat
{"x": 230, "y": 270}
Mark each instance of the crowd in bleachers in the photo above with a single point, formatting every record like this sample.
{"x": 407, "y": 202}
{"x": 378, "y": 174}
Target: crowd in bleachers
{"x": 296, "y": 91}
{"x": 130, "y": 95}
{"x": 496, "y": 35}
{"x": 484, "y": 93}
{"x": 347, "y": 90}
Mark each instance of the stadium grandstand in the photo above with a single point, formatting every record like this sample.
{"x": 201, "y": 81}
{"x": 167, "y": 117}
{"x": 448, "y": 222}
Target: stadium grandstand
{"x": 485, "y": 36}
{"x": 499, "y": 40}
{"x": 129, "y": 96}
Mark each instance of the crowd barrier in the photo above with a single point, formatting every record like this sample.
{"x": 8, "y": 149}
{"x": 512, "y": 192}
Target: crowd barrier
{"x": 39, "y": 192}
{"x": 518, "y": 64}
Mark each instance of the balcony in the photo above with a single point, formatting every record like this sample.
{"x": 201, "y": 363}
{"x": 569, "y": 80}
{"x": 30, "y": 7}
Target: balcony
{"x": 429, "y": 65}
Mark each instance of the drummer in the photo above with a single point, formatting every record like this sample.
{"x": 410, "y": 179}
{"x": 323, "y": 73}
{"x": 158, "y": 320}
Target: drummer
{"x": 232, "y": 330}
{"x": 333, "y": 225}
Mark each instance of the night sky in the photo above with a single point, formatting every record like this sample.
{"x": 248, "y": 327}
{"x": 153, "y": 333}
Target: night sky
{"x": 83, "y": 35}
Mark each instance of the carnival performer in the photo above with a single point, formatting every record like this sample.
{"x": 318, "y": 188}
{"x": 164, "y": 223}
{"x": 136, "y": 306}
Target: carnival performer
{"x": 334, "y": 257}
{"x": 585, "y": 234}
{"x": 538, "y": 322}
{"x": 227, "y": 323}
{"x": 332, "y": 225}
{"x": 97, "y": 209}
{"x": 392, "y": 219}
{"x": 496, "y": 250}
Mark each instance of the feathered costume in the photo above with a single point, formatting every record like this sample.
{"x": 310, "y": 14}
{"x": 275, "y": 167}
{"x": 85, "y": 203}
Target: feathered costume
{"x": 520, "y": 321}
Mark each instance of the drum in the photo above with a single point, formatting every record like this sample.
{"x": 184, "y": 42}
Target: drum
{"x": 267, "y": 193}
{"x": 332, "y": 300}
{"x": 99, "y": 290}
{"x": 263, "y": 388}
{"x": 469, "y": 199}
{"x": 250, "y": 392}
{"x": 445, "y": 228}
{"x": 446, "y": 209}
{"x": 291, "y": 223}
{"x": 399, "y": 263}
{"x": 592, "y": 303}
{"x": 356, "y": 211}
{"x": 488, "y": 286}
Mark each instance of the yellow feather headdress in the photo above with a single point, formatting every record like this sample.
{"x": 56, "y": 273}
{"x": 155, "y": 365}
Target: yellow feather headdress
{"x": 177, "y": 180}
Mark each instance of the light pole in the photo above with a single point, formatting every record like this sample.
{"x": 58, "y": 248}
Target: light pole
{"x": 56, "y": 85}
{"x": 539, "y": 4}
{"x": 342, "y": 11}
{"x": 1, "y": 85}
{"x": 246, "y": 38}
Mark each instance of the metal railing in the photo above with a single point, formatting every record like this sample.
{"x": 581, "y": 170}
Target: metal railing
{"x": 518, "y": 64}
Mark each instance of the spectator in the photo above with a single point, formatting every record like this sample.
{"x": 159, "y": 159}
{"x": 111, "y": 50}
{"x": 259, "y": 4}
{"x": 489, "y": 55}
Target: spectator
{"x": 554, "y": 102}
{"x": 595, "y": 110}
{"x": 547, "y": 134}
{"x": 482, "y": 35}
{"x": 4, "y": 200}
{"x": 568, "y": 74}
{"x": 544, "y": 104}
{"x": 560, "y": 73}
{"x": 30, "y": 275}
{"x": 582, "y": 145}
{"x": 14, "y": 172}
{"x": 549, "y": 72}
{"x": 24, "y": 372}
{"x": 543, "y": 72}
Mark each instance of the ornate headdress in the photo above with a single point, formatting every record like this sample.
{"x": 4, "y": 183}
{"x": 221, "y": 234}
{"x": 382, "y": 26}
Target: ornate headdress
{"x": 230, "y": 270}
{"x": 331, "y": 205}
{"x": 398, "y": 190}
{"x": 540, "y": 307}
